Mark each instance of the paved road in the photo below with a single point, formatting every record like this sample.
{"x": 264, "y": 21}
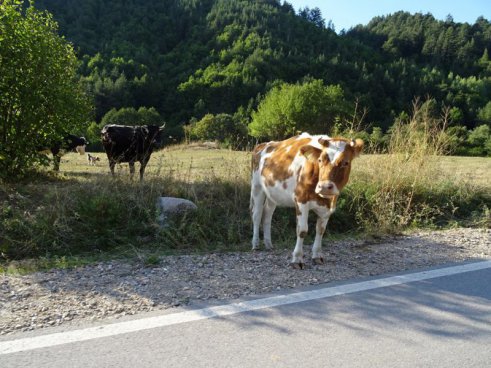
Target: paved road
{"x": 436, "y": 318}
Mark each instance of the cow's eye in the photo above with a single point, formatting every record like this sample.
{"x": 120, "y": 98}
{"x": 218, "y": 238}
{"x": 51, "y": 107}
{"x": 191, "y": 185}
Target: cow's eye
{"x": 345, "y": 164}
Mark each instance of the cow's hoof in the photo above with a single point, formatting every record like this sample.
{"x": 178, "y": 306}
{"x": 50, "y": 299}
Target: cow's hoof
{"x": 318, "y": 261}
{"x": 297, "y": 265}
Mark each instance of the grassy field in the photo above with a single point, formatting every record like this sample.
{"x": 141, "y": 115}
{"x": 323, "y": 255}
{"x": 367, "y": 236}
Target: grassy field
{"x": 194, "y": 163}
{"x": 82, "y": 214}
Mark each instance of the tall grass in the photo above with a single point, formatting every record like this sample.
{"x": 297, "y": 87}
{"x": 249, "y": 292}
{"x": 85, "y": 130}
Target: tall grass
{"x": 406, "y": 187}
{"x": 406, "y": 170}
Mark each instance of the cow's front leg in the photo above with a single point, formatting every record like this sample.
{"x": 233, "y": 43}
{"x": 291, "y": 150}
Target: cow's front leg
{"x": 143, "y": 165}
{"x": 320, "y": 228}
{"x": 268, "y": 211}
{"x": 112, "y": 163}
{"x": 56, "y": 162}
{"x": 302, "y": 230}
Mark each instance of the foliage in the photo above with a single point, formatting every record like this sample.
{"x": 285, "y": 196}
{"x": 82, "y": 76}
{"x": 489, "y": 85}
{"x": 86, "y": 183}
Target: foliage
{"x": 190, "y": 58}
{"x": 290, "y": 108}
{"x": 223, "y": 128}
{"x": 479, "y": 141}
{"x": 41, "y": 99}
{"x": 131, "y": 116}
{"x": 485, "y": 113}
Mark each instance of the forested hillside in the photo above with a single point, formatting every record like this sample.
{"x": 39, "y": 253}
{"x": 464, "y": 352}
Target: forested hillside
{"x": 188, "y": 58}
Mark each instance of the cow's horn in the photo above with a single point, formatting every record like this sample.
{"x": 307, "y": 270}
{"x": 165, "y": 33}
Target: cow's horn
{"x": 162, "y": 127}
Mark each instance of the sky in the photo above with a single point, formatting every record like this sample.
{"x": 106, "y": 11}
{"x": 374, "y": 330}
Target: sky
{"x": 348, "y": 13}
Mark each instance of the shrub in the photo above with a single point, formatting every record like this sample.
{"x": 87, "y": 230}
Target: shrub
{"x": 40, "y": 97}
{"x": 224, "y": 128}
{"x": 479, "y": 141}
{"x": 288, "y": 108}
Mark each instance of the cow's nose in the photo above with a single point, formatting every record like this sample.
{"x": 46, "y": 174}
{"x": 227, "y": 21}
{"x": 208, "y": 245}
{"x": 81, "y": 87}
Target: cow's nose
{"x": 326, "y": 189}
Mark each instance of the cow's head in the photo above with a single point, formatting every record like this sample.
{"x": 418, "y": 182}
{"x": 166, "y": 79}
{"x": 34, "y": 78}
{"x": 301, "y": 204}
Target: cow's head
{"x": 76, "y": 143}
{"x": 333, "y": 160}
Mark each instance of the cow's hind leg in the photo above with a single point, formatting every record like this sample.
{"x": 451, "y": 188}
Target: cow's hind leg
{"x": 258, "y": 198}
{"x": 268, "y": 210}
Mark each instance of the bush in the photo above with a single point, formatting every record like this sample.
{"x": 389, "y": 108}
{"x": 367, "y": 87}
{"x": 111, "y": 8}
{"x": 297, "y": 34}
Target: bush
{"x": 224, "y": 128}
{"x": 40, "y": 97}
{"x": 291, "y": 108}
{"x": 131, "y": 116}
{"x": 479, "y": 141}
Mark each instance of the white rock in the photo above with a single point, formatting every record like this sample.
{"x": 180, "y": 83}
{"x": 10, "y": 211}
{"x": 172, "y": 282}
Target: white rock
{"x": 171, "y": 205}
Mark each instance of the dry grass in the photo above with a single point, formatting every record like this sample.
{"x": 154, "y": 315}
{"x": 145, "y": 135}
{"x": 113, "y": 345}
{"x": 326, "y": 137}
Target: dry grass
{"x": 191, "y": 164}
{"x": 474, "y": 171}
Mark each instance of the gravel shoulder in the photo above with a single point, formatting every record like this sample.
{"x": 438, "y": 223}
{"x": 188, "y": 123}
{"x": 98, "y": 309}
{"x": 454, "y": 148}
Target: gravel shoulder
{"x": 115, "y": 289}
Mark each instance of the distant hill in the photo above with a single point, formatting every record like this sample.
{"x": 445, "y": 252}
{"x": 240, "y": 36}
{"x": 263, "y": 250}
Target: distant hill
{"x": 191, "y": 57}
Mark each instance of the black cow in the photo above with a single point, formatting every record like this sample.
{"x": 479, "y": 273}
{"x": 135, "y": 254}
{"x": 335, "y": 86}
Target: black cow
{"x": 69, "y": 143}
{"x": 130, "y": 144}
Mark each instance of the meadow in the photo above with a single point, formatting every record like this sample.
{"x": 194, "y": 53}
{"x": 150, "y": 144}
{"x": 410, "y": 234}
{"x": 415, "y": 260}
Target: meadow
{"x": 83, "y": 214}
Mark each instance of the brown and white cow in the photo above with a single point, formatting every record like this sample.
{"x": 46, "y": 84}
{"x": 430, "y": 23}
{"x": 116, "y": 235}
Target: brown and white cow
{"x": 306, "y": 172}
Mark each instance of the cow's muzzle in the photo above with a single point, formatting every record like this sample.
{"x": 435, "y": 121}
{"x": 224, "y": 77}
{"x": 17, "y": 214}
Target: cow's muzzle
{"x": 326, "y": 189}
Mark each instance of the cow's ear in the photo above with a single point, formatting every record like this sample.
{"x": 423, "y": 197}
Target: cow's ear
{"x": 310, "y": 152}
{"x": 324, "y": 142}
{"x": 357, "y": 145}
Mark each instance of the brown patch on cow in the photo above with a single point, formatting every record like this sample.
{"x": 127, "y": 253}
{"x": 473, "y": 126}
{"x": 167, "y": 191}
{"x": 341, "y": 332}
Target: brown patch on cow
{"x": 276, "y": 166}
{"x": 256, "y": 156}
{"x": 302, "y": 234}
{"x": 271, "y": 147}
{"x": 307, "y": 180}
{"x": 285, "y": 185}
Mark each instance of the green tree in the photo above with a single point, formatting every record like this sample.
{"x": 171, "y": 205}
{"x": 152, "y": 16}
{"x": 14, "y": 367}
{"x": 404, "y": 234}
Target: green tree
{"x": 40, "y": 97}
{"x": 223, "y": 128}
{"x": 291, "y": 108}
{"x": 485, "y": 113}
{"x": 457, "y": 136}
{"x": 478, "y": 140}
{"x": 131, "y": 116}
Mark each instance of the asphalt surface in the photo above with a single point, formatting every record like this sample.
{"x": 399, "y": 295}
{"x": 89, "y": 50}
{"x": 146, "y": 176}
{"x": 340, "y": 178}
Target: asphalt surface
{"x": 429, "y": 320}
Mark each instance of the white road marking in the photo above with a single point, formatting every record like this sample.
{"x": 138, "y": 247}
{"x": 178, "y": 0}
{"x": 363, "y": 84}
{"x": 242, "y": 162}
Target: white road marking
{"x": 44, "y": 341}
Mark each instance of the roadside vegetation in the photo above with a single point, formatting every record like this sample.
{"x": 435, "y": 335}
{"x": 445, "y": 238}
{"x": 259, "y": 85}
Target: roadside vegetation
{"x": 82, "y": 213}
